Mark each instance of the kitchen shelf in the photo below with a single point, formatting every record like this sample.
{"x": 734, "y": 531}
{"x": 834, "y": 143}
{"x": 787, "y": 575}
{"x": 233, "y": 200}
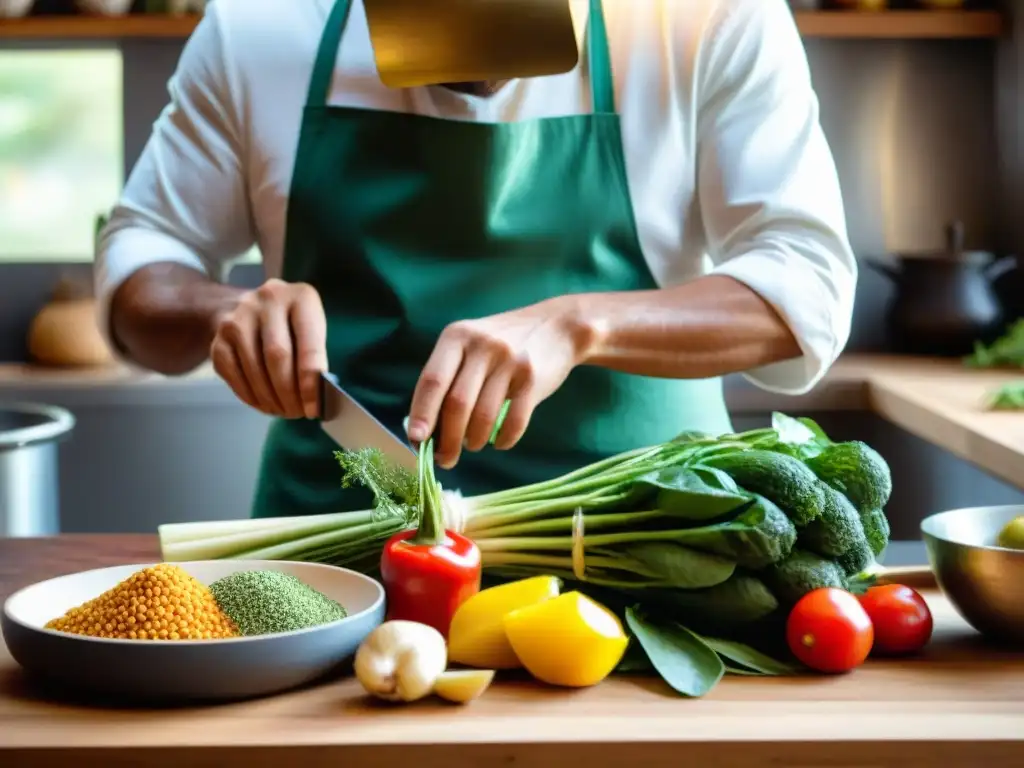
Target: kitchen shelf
{"x": 97, "y": 27}
{"x": 830, "y": 24}
{"x": 902, "y": 24}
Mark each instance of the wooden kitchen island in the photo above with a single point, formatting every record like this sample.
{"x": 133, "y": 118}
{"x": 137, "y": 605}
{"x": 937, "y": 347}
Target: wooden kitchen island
{"x": 960, "y": 704}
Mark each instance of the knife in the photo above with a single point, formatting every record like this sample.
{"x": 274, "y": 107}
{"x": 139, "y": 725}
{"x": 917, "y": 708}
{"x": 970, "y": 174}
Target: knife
{"x": 353, "y": 427}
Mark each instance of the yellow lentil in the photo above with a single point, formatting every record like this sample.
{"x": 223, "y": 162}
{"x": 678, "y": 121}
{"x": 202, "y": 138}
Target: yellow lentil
{"x": 163, "y": 602}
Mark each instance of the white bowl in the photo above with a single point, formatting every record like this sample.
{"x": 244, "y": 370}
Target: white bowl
{"x": 188, "y": 670}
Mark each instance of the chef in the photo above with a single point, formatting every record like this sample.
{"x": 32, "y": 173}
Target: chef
{"x": 598, "y": 247}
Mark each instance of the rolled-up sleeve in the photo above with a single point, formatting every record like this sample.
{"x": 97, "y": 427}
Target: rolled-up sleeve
{"x": 185, "y": 200}
{"x": 769, "y": 192}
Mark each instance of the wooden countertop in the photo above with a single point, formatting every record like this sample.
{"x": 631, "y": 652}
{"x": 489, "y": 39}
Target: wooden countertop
{"x": 942, "y": 402}
{"x": 961, "y": 704}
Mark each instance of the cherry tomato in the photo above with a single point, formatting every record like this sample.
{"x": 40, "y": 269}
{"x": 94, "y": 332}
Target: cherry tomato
{"x": 902, "y": 621}
{"x": 829, "y": 631}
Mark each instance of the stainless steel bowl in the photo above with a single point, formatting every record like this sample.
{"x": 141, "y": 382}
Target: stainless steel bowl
{"x": 983, "y": 581}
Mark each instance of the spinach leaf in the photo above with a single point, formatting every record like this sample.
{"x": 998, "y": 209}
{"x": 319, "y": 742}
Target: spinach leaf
{"x": 696, "y": 493}
{"x": 801, "y": 438}
{"x": 792, "y": 431}
{"x": 749, "y": 658}
{"x": 1008, "y": 397}
{"x": 819, "y": 433}
{"x": 758, "y": 536}
{"x": 673, "y": 565}
{"x": 683, "y": 660}
{"x": 731, "y": 670}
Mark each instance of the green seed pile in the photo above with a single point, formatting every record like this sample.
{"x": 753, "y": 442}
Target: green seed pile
{"x": 265, "y": 602}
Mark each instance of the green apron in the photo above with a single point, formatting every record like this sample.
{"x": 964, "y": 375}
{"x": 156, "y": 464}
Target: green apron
{"x": 406, "y": 223}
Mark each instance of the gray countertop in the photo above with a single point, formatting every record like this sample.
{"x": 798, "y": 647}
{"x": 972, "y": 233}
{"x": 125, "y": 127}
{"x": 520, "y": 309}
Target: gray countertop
{"x": 124, "y": 387}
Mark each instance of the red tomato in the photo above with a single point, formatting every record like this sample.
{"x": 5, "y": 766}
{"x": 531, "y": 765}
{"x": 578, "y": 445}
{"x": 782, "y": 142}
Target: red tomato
{"x": 902, "y": 621}
{"x": 829, "y": 631}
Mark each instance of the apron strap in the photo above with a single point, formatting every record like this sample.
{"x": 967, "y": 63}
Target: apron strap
{"x": 602, "y": 88}
{"x": 327, "y": 54}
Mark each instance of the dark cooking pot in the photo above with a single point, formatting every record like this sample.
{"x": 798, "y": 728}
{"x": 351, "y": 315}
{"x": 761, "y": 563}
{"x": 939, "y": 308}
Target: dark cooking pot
{"x": 945, "y": 300}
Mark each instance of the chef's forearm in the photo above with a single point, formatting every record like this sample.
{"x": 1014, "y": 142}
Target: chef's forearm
{"x": 164, "y": 316}
{"x": 712, "y": 326}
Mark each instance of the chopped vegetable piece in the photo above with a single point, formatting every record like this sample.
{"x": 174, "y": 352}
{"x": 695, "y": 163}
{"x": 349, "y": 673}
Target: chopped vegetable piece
{"x": 568, "y": 641}
{"x": 477, "y": 636}
{"x": 461, "y": 686}
{"x": 1008, "y": 397}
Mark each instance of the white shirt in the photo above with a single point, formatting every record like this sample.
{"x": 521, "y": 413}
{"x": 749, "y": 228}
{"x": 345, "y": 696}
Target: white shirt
{"x": 728, "y": 167}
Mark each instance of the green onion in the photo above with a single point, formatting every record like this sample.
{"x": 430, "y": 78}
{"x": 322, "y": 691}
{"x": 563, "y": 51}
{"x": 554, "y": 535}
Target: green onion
{"x": 583, "y": 523}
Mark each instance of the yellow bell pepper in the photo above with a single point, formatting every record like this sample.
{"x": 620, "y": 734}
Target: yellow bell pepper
{"x": 476, "y": 636}
{"x": 568, "y": 641}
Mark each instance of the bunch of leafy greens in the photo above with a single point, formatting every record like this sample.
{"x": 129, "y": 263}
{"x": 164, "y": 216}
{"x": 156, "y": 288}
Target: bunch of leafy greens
{"x": 701, "y": 544}
{"x": 1008, "y": 397}
{"x": 1005, "y": 352}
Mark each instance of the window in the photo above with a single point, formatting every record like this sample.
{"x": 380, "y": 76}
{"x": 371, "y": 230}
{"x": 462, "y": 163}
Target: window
{"x": 61, "y": 150}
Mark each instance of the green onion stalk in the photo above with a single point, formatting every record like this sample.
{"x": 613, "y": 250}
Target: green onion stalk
{"x": 599, "y": 520}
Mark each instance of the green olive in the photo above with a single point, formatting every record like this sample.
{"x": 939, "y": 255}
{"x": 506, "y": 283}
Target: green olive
{"x": 1012, "y": 535}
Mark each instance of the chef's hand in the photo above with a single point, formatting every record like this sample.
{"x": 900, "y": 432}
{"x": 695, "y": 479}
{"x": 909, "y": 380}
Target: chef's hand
{"x": 522, "y": 356}
{"x": 271, "y": 348}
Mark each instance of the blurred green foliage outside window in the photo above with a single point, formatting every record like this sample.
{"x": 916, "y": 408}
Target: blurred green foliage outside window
{"x": 61, "y": 150}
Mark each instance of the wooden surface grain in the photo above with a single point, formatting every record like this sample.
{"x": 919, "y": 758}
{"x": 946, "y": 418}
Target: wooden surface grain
{"x": 945, "y": 404}
{"x": 960, "y": 704}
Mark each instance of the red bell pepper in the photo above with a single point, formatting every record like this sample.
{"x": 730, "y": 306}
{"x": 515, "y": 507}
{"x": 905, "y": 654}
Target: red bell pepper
{"x": 428, "y": 573}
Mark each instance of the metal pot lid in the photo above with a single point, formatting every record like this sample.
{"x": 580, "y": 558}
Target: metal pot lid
{"x": 24, "y": 424}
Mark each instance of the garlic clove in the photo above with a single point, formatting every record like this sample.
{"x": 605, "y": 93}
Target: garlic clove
{"x": 401, "y": 661}
{"x": 462, "y": 686}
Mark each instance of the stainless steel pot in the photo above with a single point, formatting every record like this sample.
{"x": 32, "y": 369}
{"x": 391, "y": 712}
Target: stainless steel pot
{"x": 29, "y": 482}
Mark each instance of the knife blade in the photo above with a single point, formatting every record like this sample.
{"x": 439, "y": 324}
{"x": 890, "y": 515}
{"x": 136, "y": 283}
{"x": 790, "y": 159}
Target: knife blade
{"x": 353, "y": 427}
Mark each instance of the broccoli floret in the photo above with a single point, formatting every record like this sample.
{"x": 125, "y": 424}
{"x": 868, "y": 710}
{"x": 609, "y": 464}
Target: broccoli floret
{"x": 876, "y": 529}
{"x": 800, "y": 573}
{"x": 758, "y": 537}
{"x": 857, "y": 559}
{"x": 784, "y": 480}
{"x": 838, "y": 529}
{"x": 856, "y": 470}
